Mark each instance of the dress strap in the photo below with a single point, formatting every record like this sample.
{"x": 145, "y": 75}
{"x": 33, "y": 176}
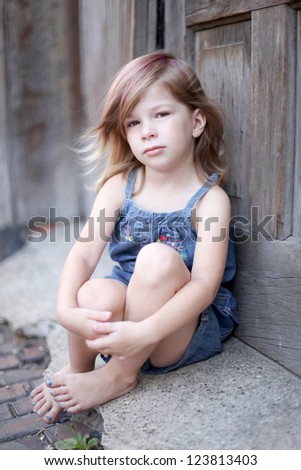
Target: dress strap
{"x": 130, "y": 183}
{"x": 202, "y": 191}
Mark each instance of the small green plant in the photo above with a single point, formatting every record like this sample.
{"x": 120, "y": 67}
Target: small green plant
{"x": 78, "y": 442}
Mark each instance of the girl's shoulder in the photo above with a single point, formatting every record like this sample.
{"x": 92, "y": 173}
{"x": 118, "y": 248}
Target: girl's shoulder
{"x": 215, "y": 200}
{"x": 116, "y": 182}
{"x": 113, "y": 191}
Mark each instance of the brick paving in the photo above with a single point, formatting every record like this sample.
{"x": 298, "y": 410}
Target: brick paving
{"x": 22, "y": 363}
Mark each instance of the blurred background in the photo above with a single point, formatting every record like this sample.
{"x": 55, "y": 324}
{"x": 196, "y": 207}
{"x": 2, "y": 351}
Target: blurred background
{"x": 57, "y": 58}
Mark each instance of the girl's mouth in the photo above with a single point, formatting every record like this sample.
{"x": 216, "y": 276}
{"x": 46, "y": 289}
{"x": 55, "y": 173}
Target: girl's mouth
{"x": 153, "y": 150}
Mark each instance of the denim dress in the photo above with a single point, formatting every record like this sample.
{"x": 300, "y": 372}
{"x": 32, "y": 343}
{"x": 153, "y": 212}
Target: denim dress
{"x": 136, "y": 228}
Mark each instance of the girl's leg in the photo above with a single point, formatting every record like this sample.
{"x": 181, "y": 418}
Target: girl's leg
{"x": 97, "y": 294}
{"x": 159, "y": 274}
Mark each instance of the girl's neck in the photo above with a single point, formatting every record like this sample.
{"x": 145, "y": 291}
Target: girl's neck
{"x": 177, "y": 178}
{"x": 164, "y": 191}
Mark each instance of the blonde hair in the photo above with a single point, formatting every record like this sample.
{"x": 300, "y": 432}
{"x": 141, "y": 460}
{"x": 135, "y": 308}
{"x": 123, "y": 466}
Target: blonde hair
{"x": 108, "y": 141}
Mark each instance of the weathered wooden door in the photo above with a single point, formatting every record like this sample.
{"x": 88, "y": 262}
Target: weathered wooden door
{"x": 39, "y": 110}
{"x": 247, "y": 54}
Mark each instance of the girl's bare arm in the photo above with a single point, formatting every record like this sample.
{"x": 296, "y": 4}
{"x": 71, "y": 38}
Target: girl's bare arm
{"x": 84, "y": 257}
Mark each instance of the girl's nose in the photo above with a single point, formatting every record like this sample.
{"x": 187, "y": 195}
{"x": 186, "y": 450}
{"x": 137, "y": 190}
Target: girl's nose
{"x": 148, "y": 131}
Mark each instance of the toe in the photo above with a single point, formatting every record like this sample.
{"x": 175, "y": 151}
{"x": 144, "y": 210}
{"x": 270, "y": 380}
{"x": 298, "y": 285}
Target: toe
{"x": 37, "y": 398}
{"x": 36, "y": 391}
{"x": 52, "y": 414}
{"x": 38, "y": 406}
{"x": 62, "y": 398}
{"x": 54, "y": 382}
{"x": 74, "y": 408}
{"x": 43, "y": 410}
{"x": 59, "y": 391}
{"x": 48, "y": 410}
{"x": 64, "y": 405}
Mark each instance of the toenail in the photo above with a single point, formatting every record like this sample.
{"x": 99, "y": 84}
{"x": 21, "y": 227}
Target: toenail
{"x": 48, "y": 418}
{"x": 34, "y": 410}
{"x": 39, "y": 413}
{"x": 48, "y": 382}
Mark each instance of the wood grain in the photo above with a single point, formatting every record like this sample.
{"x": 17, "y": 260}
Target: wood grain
{"x": 6, "y": 218}
{"x": 145, "y": 29}
{"x": 223, "y": 62}
{"x": 42, "y": 170}
{"x": 273, "y": 115}
{"x": 268, "y": 286}
{"x": 297, "y": 171}
{"x": 202, "y": 11}
{"x": 174, "y": 34}
{"x": 106, "y": 43}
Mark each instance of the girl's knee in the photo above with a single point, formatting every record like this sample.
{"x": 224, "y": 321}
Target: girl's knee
{"x": 102, "y": 294}
{"x": 157, "y": 262}
{"x": 86, "y": 293}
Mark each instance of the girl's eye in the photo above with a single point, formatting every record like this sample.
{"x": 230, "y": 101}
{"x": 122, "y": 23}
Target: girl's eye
{"x": 162, "y": 114}
{"x": 132, "y": 123}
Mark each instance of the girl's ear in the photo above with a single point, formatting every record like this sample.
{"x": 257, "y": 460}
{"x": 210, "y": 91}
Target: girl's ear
{"x": 199, "y": 123}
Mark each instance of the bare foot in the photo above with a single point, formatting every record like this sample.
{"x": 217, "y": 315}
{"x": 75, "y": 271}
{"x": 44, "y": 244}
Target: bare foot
{"x": 79, "y": 392}
{"x": 43, "y": 403}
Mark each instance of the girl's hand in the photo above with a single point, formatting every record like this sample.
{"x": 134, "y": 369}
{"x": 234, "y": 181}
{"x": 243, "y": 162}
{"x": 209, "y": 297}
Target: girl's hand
{"x": 81, "y": 321}
{"x": 123, "y": 338}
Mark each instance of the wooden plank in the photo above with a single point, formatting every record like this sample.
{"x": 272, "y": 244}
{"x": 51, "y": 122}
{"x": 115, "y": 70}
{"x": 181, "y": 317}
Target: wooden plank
{"x": 297, "y": 182}
{"x": 74, "y": 66}
{"x": 273, "y": 116}
{"x": 5, "y": 189}
{"x": 224, "y": 53}
{"x": 174, "y": 34}
{"x": 202, "y": 11}
{"x": 268, "y": 287}
{"x": 140, "y": 39}
{"x": 42, "y": 169}
{"x": 106, "y": 44}
{"x": 145, "y": 39}
{"x": 152, "y": 23}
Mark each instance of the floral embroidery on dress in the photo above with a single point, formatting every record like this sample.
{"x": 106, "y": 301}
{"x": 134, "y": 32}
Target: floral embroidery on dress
{"x": 125, "y": 234}
{"x": 173, "y": 243}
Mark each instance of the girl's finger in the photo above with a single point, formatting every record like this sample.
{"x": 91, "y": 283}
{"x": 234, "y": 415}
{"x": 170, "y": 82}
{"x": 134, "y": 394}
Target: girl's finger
{"x": 104, "y": 328}
{"x": 101, "y": 316}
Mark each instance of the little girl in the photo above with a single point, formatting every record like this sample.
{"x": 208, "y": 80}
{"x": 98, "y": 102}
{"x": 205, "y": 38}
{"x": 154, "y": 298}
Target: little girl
{"x": 166, "y": 303}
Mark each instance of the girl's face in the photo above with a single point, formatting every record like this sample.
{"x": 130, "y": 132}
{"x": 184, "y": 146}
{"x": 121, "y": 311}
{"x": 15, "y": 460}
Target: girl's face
{"x": 161, "y": 131}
